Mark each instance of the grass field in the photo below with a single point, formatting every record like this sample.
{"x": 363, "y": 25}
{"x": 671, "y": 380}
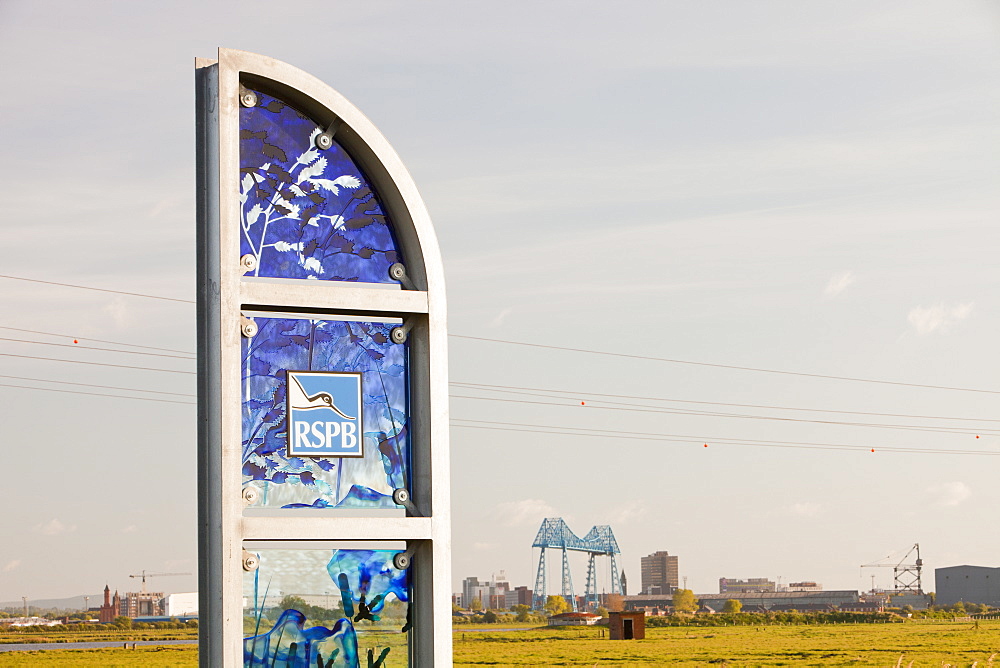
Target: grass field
{"x": 98, "y": 634}
{"x": 916, "y": 644}
{"x": 923, "y": 644}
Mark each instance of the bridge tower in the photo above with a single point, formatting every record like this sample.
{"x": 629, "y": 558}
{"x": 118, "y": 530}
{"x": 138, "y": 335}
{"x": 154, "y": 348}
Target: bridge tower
{"x": 599, "y": 541}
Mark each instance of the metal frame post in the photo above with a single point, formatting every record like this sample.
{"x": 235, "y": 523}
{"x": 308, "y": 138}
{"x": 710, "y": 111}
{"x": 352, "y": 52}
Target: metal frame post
{"x": 223, "y": 526}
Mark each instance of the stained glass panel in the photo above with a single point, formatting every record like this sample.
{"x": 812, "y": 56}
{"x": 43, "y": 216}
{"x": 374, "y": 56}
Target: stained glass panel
{"x": 337, "y": 608}
{"x": 307, "y": 212}
{"x": 352, "y": 348}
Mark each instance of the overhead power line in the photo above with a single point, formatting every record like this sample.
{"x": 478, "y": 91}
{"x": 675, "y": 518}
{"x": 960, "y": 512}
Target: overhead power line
{"x": 606, "y": 353}
{"x": 721, "y": 366}
{"x": 676, "y": 438}
{"x": 118, "y": 366}
{"x": 106, "y": 350}
{"x": 964, "y": 431}
{"x": 90, "y": 338}
{"x": 98, "y": 394}
{"x": 87, "y": 287}
{"x": 105, "y": 387}
{"x": 575, "y": 394}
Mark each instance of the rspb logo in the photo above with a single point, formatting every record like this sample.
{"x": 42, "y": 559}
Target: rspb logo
{"x": 324, "y": 414}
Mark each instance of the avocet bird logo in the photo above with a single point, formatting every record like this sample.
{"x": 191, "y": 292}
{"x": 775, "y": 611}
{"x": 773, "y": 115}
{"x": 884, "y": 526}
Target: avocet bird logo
{"x": 324, "y": 414}
{"x": 303, "y": 401}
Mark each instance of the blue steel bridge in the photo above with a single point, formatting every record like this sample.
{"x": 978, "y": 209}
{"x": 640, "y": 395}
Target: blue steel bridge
{"x": 599, "y": 541}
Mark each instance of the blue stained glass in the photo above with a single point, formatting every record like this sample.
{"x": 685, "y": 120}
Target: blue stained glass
{"x": 292, "y": 344}
{"x": 321, "y": 607}
{"x": 307, "y": 212}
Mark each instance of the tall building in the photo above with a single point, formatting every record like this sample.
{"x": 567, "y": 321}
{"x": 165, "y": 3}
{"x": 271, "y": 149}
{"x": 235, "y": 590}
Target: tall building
{"x": 659, "y": 573}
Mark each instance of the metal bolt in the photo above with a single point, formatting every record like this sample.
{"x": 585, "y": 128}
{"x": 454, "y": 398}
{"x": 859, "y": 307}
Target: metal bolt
{"x": 400, "y": 497}
{"x": 250, "y": 495}
{"x": 248, "y": 98}
{"x": 248, "y": 327}
{"x": 401, "y": 561}
{"x": 324, "y": 140}
{"x": 248, "y": 263}
{"x": 250, "y": 561}
{"x": 398, "y": 335}
{"x": 397, "y": 271}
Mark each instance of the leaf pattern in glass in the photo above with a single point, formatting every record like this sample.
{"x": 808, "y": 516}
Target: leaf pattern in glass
{"x": 283, "y": 344}
{"x": 307, "y": 212}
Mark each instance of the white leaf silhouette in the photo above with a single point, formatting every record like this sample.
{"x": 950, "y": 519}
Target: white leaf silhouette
{"x": 283, "y": 205}
{"x": 315, "y": 169}
{"x": 347, "y": 181}
{"x": 285, "y": 246}
{"x": 337, "y": 222}
{"x": 253, "y": 214}
{"x": 312, "y": 223}
{"x": 326, "y": 184}
{"x": 308, "y": 156}
{"x": 312, "y": 264}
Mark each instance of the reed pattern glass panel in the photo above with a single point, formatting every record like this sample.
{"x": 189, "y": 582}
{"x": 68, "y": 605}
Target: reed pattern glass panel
{"x": 342, "y": 608}
{"x": 297, "y": 344}
{"x": 307, "y": 212}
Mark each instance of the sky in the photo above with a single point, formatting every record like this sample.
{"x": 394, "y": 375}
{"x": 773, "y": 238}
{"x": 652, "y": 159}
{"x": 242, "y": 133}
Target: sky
{"x": 806, "y": 187}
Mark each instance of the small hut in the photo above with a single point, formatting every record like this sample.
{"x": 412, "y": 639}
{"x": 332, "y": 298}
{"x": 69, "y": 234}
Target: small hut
{"x": 627, "y": 625}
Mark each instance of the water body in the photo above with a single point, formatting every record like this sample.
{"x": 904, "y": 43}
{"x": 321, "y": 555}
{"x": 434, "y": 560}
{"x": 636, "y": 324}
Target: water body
{"x": 28, "y": 646}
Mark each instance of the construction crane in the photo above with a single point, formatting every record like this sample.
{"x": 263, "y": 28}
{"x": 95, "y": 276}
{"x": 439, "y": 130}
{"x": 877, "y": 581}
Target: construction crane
{"x": 906, "y": 577}
{"x": 145, "y": 575}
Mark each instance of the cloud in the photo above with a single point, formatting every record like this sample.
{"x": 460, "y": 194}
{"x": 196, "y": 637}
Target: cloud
{"x": 939, "y": 317}
{"x": 527, "y": 511}
{"x": 118, "y": 312}
{"x": 131, "y": 528}
{"x": 11, "y": 565}
{"x": 804, "y": 509}
{"x": 629, "y": 513}
{"x": 950, "y": 493}
{"x": 485, "y": 547}
{"x": 838, "y": 283}
{"x": 53, "y": 528}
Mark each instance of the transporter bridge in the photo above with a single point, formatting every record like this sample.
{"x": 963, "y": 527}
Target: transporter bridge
{"x": 599, "y": 541}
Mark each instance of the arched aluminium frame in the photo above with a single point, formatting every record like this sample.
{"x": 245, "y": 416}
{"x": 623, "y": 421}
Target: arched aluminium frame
{"x": 323, "y": 420}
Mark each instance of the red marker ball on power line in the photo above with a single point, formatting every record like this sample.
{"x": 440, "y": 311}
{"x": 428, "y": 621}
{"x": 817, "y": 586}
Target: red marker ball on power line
{"x": 75, "y": 341}
{"x": 706, "y": 445}
{"x": 873, "y": 449}
{"x": 584, "y": 403}
{"x": 977, "y": 435}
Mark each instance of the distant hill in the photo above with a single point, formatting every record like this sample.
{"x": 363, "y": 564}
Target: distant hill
{"x": 72, "y": 603}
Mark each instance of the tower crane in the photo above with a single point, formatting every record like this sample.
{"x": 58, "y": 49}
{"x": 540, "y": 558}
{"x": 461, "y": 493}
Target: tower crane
{"x": 145, "y": 575}
{"x": 906, "y": 576}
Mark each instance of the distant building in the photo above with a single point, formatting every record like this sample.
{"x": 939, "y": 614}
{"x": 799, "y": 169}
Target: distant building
{"x": 574, "y": 619}
{"x": 111, "y": 606}
{"x": 141, "y": 604}
{"x": 915, "y": 601}
{"x": 493, "y": 594}
{"x": 659, "y": 573}
{"x": 967, "y": 584}
{"x": 520, "y": 596}
{"x": 804, "y": 586}
{"x": 797, "y": 600}
{"x": 751, "y": 586}
{"x": 183, "y": 605}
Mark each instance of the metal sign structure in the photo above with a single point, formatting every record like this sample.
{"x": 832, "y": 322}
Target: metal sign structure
{"x": 324, "y": 509}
